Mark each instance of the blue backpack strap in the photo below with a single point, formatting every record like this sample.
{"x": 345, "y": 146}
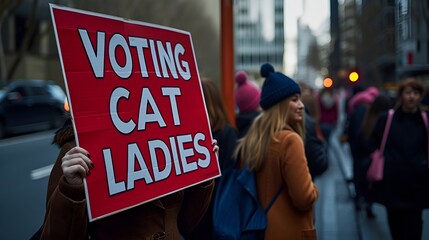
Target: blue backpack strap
{"x": 274, "y": 198}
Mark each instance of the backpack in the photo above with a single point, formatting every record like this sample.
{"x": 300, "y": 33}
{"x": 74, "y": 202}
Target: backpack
{"x": 237, "y": 213}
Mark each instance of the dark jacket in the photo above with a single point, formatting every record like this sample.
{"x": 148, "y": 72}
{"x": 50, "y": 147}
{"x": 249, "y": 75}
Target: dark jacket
{"x": 359, "y": 149}
{"x": 315, "y": 149}
{"x": 227, "y": 141}
{"x": 354, "y": 130}
{"x": 67, "y": 218}
{"x": 243, "y": 121}
{"x": 406, "y": 173}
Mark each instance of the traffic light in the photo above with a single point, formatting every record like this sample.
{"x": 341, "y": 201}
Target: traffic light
{"x": 353, "y": 76}
{"x": 327, "y": 82}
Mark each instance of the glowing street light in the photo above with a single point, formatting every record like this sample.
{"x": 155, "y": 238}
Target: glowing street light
{"x": 327, "y": 82}
{"x": 353, "y": 76}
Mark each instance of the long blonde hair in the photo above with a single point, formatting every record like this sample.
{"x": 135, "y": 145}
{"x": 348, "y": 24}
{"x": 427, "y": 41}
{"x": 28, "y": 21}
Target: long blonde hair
{"x": 253, "y": 147}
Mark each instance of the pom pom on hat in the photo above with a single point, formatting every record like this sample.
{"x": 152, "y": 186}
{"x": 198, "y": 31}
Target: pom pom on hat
{"x": 241, "y": 77}
{"x": 266, "y": 69}
{"x": 276, "y": 87}
{"x": 247, "y": 94}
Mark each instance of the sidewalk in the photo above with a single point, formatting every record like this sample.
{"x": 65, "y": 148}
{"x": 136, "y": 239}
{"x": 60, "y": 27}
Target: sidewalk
{"x": 377, "y": 228}
{"x": 336, "y": 218}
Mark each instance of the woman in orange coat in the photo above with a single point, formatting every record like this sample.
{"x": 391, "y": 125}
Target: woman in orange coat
{"x": 274, "y": 148}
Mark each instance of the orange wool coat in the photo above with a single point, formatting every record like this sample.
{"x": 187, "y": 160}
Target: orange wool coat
{"x": 291, "y": 216}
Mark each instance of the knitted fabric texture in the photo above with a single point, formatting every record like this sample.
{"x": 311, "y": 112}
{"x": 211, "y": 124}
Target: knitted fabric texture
{"x": 276, "y": 87}
{"x": 247, "y": 94}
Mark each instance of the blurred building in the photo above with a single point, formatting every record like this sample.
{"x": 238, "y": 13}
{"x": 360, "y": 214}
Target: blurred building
{"x": 384, "y": 40}
{"x": 259, "y": 34}
{"x": 334, "y": 49}
{"x": 412, "y": 27}
{"x": 368, "y": 39}
{"x": 349, "y": 33}
{"x": 304, "y": 72}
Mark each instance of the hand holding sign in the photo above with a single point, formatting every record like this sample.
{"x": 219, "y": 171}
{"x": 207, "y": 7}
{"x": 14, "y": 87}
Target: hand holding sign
{"x": 76, "y": 165}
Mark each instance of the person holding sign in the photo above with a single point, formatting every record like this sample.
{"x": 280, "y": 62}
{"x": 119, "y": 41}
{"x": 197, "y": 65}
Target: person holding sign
{"x": 168, "y": 217}
{"x": 273, "y": 148}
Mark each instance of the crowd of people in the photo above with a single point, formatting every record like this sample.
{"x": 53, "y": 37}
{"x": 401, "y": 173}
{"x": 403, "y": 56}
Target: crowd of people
{"x": 281, "y": 132}
{"x": 405, "y": 174}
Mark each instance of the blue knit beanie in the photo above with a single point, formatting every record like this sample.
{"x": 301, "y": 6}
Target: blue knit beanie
{"x": 276, "y": 87}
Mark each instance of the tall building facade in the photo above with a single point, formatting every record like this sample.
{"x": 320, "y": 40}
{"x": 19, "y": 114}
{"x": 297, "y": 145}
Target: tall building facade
{"x": 387, "y": 40}
{"x": 258, "y": 34}
{"x": 350, "y": 31}
{"x": 412, "y": 37}
{"x": 305, "y": 73}
{"x": 368, "y": 39}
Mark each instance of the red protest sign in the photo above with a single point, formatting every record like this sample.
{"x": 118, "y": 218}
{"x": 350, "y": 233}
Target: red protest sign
{"x": 137, "y": 107}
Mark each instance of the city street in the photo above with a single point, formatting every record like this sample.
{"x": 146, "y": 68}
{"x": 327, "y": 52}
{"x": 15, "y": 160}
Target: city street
{"x": 132, "y": 75}
{"x": 26, "y": 161}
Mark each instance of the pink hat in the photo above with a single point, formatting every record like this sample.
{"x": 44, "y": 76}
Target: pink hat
{"x": 365, "y": 97}
{"x": 247, "y": 94}
{"x": 373, "y": 91}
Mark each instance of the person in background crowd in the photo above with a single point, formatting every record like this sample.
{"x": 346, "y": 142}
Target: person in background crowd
{"x": 247, "y": 97}
{"x": 349, "y": 94}
{"x": 425, "y": 100}
{"x": 66, "y": 214}
{"x": 309, "y": 98}
{"x": 273, "y": 148}
{"x": 226, "y": 137}
{"x": 361, "y": 155}
{"x": 222, "y": 130}
{"x": 404, "y": 187}
{"x": 357, "y": 109}
{"x": 316, "y": 149}
{"x": 362, "y": 98}
{"x": 328, "y": 104}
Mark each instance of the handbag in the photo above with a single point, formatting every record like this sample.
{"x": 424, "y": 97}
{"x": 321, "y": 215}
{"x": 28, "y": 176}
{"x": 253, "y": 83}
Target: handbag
{"x": 375, "y": 170}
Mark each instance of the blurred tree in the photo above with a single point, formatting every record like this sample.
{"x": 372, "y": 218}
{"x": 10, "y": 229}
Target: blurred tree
{"x": 29, "y": 31}
{"x": 7, "y": 8}
{"x": 189, "y": 15}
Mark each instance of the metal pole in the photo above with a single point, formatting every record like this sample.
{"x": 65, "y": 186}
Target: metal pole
{"x": 227, "y": 57}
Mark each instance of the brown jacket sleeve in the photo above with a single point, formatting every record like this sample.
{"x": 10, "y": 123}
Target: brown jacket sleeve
{"x": 195, "y": 204}
{"x": 66, "y": 216}
{"x": 301, "y": 188}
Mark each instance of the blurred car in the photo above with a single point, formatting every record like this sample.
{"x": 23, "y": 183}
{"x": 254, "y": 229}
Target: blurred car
{"x": 29, "y": 106}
